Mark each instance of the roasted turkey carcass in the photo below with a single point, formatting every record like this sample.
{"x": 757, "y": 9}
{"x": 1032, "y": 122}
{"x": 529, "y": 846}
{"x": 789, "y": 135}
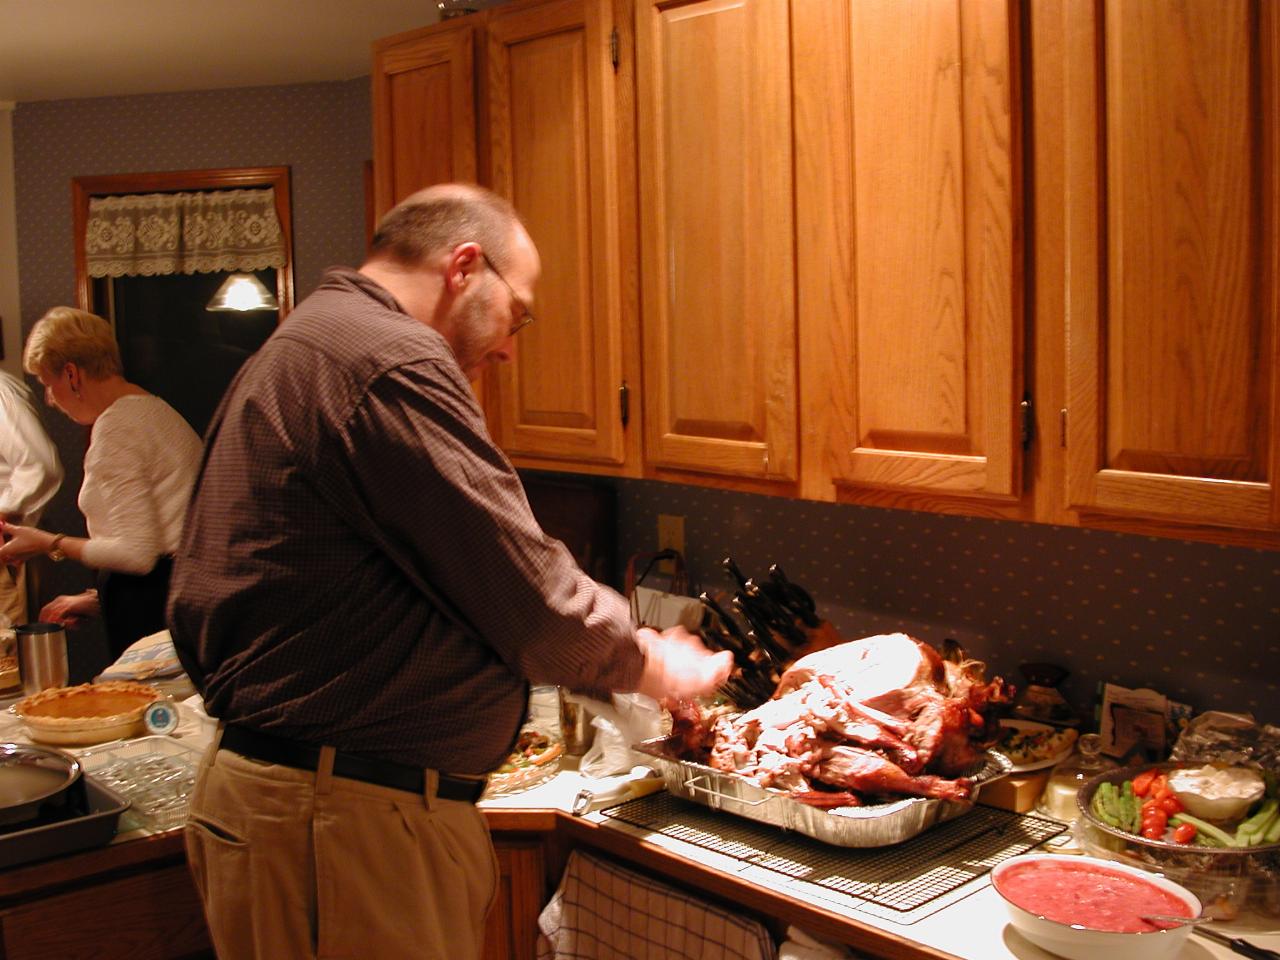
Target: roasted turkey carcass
{"x": 885, "y": 715}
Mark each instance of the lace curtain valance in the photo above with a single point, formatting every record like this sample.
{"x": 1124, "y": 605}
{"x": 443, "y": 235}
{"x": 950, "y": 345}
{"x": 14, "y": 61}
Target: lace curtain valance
{"x": 149, "y": 234}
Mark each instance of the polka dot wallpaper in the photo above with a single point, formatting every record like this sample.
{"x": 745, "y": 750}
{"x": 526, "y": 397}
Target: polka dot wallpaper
{"x": 1198, "y": 622}
{"x": 321, "y": 131}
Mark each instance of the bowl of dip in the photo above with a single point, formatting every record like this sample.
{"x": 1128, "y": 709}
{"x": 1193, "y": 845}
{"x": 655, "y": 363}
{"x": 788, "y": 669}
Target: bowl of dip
{"x": 1084, "y": 907}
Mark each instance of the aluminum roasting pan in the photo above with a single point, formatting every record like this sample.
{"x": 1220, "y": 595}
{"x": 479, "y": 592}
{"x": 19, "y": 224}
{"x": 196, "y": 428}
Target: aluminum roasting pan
{"x": 878, "y": 825}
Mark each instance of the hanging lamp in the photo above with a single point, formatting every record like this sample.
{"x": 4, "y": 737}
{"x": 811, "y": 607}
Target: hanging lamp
{"x": 243, "y": 292}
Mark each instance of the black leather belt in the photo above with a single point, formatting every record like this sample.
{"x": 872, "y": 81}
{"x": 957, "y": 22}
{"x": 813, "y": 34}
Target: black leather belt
{"x": 384, "y": 773}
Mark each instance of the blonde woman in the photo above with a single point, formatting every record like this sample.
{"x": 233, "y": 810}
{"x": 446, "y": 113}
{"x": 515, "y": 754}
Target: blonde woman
{"x": 138, "y": 474}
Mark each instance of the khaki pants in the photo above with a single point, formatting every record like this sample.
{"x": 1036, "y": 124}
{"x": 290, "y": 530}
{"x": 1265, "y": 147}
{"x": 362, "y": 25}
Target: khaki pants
{"x": 291, "y": 863}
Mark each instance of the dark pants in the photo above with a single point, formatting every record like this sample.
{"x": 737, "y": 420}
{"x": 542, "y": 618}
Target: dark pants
{"x": 133, "y": 605}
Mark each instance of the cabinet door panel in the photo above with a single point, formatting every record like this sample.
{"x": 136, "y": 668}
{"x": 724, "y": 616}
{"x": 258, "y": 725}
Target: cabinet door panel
{"x": 716, "y": 210}
{"x": 1173, "y": 259}
{"x": 424, "y": 112}
{"x": 909, "y": 123}
{"x": 553, "y": 144}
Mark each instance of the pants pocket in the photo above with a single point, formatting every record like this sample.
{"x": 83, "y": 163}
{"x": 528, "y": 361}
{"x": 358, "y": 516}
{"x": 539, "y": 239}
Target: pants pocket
{"x": 216, "y": 831}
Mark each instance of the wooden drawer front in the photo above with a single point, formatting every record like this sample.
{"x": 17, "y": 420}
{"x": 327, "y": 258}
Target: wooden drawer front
{"x": 148, "y": 916}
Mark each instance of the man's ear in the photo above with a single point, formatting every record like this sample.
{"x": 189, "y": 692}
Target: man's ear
{"x": 463, "y": 262}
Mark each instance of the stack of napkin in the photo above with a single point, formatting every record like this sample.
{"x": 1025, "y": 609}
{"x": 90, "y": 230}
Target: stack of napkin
{"x": 153, "y": 660}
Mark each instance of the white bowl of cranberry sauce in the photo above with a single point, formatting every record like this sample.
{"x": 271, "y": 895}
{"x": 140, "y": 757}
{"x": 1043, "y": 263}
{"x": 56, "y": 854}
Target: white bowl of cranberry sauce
{"x": 1083, "y": 908}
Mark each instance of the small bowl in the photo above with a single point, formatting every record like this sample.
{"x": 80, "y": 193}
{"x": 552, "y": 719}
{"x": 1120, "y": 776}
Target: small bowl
{"x": 1073, "y": 934}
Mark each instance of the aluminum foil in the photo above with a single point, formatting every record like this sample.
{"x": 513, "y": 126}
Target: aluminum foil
{"x": 878, "y": 825}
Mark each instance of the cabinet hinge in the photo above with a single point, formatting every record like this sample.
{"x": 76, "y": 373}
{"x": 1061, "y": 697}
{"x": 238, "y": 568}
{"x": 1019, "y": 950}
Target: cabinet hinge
{"x": 1063, "y": 417}
{"x": 624, "y": 403}
{"x": 1025, "y": 428}
{"x": 613, "y": 49}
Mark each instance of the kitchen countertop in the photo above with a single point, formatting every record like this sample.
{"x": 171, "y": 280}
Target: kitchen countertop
{"x": 969, "y": 924}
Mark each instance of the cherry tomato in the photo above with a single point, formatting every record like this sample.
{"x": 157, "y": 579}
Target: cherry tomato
{"x": 1142, "y": 782}
{"x": 1171, "y": 805}
{"x": 1184, "y": 833}
{"x": 1154, "y": 816}
{"x": 1160, "y": 788}
{"x": 1153, "y": 831}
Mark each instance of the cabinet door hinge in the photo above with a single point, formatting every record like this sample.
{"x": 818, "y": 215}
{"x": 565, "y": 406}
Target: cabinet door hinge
{"x": 1064, "y": 427}
{"x": 624, "y": 403}
{"x": 613, "y": 49}
{"x": 1025, "y": 427}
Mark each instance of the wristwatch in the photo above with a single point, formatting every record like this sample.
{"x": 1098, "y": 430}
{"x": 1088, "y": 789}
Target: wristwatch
{"x": 55, "y": 551}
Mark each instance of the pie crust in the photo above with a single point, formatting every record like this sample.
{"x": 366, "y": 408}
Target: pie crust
{"x": 9, "y": 676}
{"x": 88, "y": 713}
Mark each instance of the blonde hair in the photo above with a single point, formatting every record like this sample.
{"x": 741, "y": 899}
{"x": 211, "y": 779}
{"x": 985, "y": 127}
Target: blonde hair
{"x": 67, "y": 335}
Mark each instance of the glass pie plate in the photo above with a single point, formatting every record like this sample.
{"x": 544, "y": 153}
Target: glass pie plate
{"x": 86, "y": 714}
{"x": 535, "y": 758}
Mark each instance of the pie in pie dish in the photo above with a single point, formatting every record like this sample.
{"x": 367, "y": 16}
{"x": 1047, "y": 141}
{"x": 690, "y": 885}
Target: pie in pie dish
{"x": 88, "y": 713}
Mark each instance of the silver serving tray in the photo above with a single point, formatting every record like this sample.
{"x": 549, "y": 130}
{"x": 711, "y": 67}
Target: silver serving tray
{"x": 878, "y": 825}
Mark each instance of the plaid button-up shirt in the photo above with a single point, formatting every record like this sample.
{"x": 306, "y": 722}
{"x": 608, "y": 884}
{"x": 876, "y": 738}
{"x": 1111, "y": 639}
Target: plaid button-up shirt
{"x": 360, "y": 566}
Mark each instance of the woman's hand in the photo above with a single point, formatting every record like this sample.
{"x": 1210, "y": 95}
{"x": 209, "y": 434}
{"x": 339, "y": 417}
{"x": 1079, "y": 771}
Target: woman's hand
{"x": 71, "y": 610}
{"x": 23, "y": 543}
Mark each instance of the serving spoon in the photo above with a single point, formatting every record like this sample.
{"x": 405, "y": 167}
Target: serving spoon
{"x": 1169, "y": 918}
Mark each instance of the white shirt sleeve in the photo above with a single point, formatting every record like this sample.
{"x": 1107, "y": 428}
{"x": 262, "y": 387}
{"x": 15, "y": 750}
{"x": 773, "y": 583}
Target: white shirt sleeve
{"x": 30, "y": 472}
{"x": 138, "y": 474}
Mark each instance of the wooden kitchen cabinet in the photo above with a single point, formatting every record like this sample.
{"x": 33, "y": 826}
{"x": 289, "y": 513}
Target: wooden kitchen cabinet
{"x": 511, "y": 929}
{"x": 1171, "y": 259}
{"x": 909, "y": 206}
{"x": 718, "y": 262}
{"x": 532, "y": 100}
{"x": 424, "y": 110}
{"x": 970, "y": 256}
{"x": 557, "y": 137}
{"x": 133, "y": 900}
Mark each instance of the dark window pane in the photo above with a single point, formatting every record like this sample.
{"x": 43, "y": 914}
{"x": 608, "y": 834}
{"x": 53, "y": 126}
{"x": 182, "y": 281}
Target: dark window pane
{"x": 175, "y": 348}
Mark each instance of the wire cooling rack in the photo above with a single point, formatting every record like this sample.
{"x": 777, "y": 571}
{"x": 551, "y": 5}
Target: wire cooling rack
{"x": 156, "y": 773}
{"x": 902, "y": 877}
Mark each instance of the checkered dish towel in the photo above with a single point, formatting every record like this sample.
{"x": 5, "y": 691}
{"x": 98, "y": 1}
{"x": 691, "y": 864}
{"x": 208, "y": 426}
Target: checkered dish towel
{"x": 605, "y": 912}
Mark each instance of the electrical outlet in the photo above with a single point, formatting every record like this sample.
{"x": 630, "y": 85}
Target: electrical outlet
{"x": 670, "y": 537}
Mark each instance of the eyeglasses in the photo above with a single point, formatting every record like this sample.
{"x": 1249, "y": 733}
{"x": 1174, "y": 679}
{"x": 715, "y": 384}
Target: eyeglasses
{"x": 527, "y": 317}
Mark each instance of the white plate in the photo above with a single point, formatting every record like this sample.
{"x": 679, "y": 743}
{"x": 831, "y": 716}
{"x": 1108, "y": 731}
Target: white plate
{"x": 1032, "y": 726}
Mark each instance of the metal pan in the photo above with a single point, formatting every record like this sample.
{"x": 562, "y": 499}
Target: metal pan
{"x": 877, "y": 825}
{"x": 34, "y": 781}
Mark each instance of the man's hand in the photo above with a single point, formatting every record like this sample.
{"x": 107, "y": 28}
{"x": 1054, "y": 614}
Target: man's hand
{"x": 677, "y": 666}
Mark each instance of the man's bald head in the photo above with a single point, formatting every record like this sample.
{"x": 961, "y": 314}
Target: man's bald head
{"x": 439, "y": 218}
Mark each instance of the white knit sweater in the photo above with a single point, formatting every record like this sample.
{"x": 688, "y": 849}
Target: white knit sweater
{"x": 138, "y": 473}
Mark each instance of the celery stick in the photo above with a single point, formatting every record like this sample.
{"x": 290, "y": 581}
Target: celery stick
{"x": 1204, "y": 827}
{"x": 1130, "y": 810}
{"x": 1259, "y": 822}
{"x": 1273, "y": 832}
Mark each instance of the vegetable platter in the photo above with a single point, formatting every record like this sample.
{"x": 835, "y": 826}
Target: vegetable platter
{"x": 1134, "y": 815}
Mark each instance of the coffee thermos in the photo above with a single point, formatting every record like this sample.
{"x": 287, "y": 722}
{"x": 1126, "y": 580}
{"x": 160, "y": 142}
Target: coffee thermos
{"x": 42, "y": 656}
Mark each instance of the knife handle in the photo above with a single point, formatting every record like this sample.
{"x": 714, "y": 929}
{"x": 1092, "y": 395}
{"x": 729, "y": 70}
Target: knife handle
{"x": 1247, "y": 949}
